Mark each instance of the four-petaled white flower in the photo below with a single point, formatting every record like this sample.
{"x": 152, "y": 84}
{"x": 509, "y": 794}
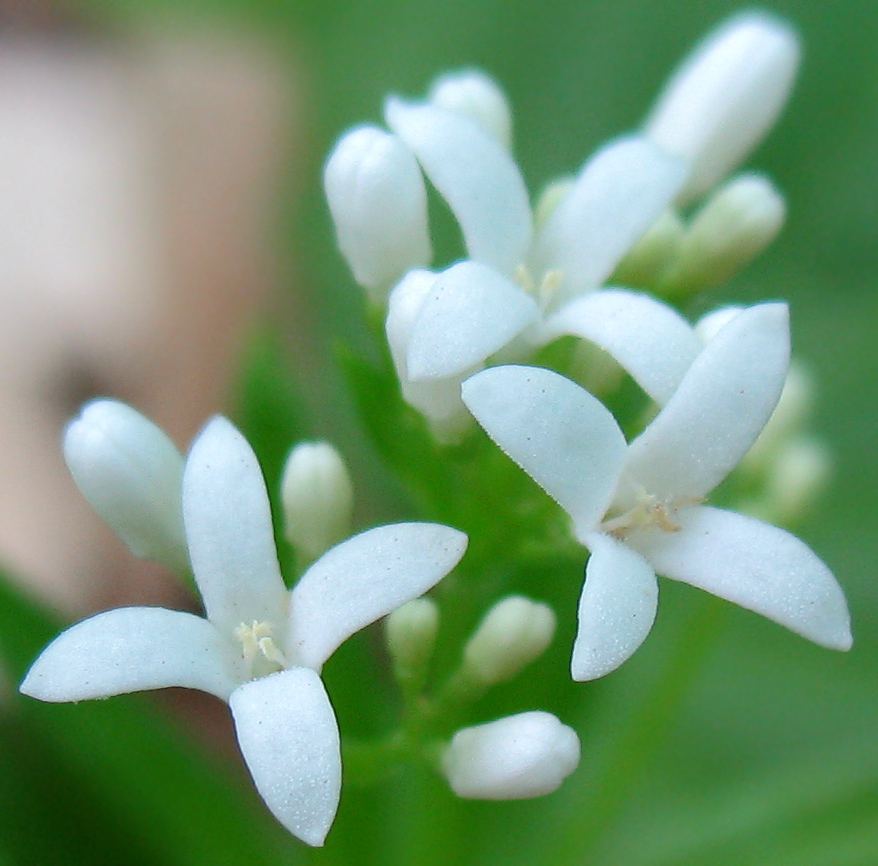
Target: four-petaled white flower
{"x": 260, "y": 647}
{"x": 638, "y": 507}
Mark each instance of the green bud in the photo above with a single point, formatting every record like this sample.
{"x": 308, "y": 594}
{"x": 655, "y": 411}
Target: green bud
{"x": 651, "y": 256}
{"x": 410, "y": 635}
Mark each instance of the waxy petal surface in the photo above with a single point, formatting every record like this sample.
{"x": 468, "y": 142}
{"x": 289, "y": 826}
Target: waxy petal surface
{"x": 469, "y": 313}
{"x": 620, "y": 192}
{"x": 719, "y": 409}
{"x": 754, "y": 565}
{"x": 363, "y": 579}
{"x": 133, "y": 649}
{"x": 289, "y": 738}
{"x": 229, "y": 530}
{"x": 653, "y": 342}
{"x": 475, "y": 175}
{"x": 616, "y": 609}
{"x": 561, "y": 435}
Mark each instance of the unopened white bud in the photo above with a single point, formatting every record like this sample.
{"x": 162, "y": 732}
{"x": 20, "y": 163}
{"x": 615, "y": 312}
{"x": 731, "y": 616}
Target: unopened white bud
{"x": 737, "y": 224}
{"x": 318, "y": 498}
{"x": 514, "y": 758}
{"x": 726, "y": 95}
{"x": 478, "y": 97}
{"x": 650, "y": 256}
{"x": 410, "y": 634}
{"x": 799, "y": 473}
{"x": 513, "y": 633}
{"x": 132, "y": 474}
{"x": 785, "y": 422}
{"x": 378, "y": 200}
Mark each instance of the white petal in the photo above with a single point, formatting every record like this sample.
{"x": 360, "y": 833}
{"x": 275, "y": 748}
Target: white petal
{"x": 755, "y": 565}
{"x": 475, "y": 175}
{"x": 620, "y": 192}
{"x": 723, "y": 99}
{"x": 363, "y": 579}
{"x": 130, "y": 650}
{"x": 561, "y": 435}
{"x": 616, "y": 610}
{"x": 514, "y": 758}
{"x": 378, "y": 200}
{"x": 653, "y": 342}
{"x": 289, "y": 738}
{"x": 722, "y": 404}
{"x": 439, "y": 399}
{"x": 229, "y": 530}
{"x": 470, "y": 313}
{"x": 131, "y": 474}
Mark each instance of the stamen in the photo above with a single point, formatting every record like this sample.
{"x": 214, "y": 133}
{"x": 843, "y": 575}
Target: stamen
{"x": 256, "y": 641}
{"x": 649, "y": 511}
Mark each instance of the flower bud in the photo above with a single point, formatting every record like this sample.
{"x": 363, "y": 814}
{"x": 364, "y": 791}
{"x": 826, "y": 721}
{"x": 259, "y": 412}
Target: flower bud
{"x": 723, "y": 99}
{"x": 514, "y": 758}
{"x": 551, "y": 196}
{"x": 649, "y": 257}
{"x": 514, "y": 632}
{"x": 132, "y": 474}
{"x": 410, "y": 634}
{"x": 799, "y": 472}
{"x": 378, "y": 201}
{"x": 478, "y": 97}
{"x": 737, "y": 224}
{"x": 318, "y": 498}
{"x": 709, "y": 325}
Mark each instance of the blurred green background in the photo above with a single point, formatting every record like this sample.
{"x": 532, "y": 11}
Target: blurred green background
{"x": 766, "y": 751}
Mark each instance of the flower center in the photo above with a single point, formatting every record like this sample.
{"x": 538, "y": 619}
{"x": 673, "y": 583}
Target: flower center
{"x": 260, "y": 651}
{"x": 648, "y": 511}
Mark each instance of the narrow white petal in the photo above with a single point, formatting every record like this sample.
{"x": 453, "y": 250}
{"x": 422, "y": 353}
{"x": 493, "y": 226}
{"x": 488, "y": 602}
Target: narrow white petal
{"x": 130, "y": 650}
{"x": 620, "y": 192}
{"x": 561, "y": 435}
{"x": 616, "y": 609}
{"x": 378, "y": 201}
{"x": 726, "y": 95}
{"x": 755, "y": 565}
{"x": 363, "y": 579}
{"x": 131, "y": 474}
{"x": 722, "y": 404}
{"x": 469, "y": 313}
{"x": 229, "y": 530}
{"x": 438, "y": 399}
{"x": 653, "y": 342}
{"x": 475, "y": 175}
{"x": 289, "y": 738}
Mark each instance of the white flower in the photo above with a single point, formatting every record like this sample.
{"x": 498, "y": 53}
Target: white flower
{"x": 260, "y": 647}
{"x": 638, "y": 507}
{"x": 520, "y": 287}
{"x": 514, "y": 758}
{"x": 723, "y": 99}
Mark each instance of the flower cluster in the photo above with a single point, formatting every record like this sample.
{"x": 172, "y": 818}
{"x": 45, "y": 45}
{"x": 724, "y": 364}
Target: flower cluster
{"x": 599, "y": 258}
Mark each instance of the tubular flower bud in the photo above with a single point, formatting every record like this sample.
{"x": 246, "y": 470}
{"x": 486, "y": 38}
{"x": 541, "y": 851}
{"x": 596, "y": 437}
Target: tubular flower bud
{"x": 132, "y": 475}
{"x": 723, "y": 99}
{"x": 410, "y": 633}
{"x": 737, "y": 224}
{"x": 649, "y": 257}
{"x": 514, "y": 632}
{"x": 318, "y": 498}
{"x": 514, "y": 758}
{"x": 478, "y": 97}
{"x": 378, "y": 202}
